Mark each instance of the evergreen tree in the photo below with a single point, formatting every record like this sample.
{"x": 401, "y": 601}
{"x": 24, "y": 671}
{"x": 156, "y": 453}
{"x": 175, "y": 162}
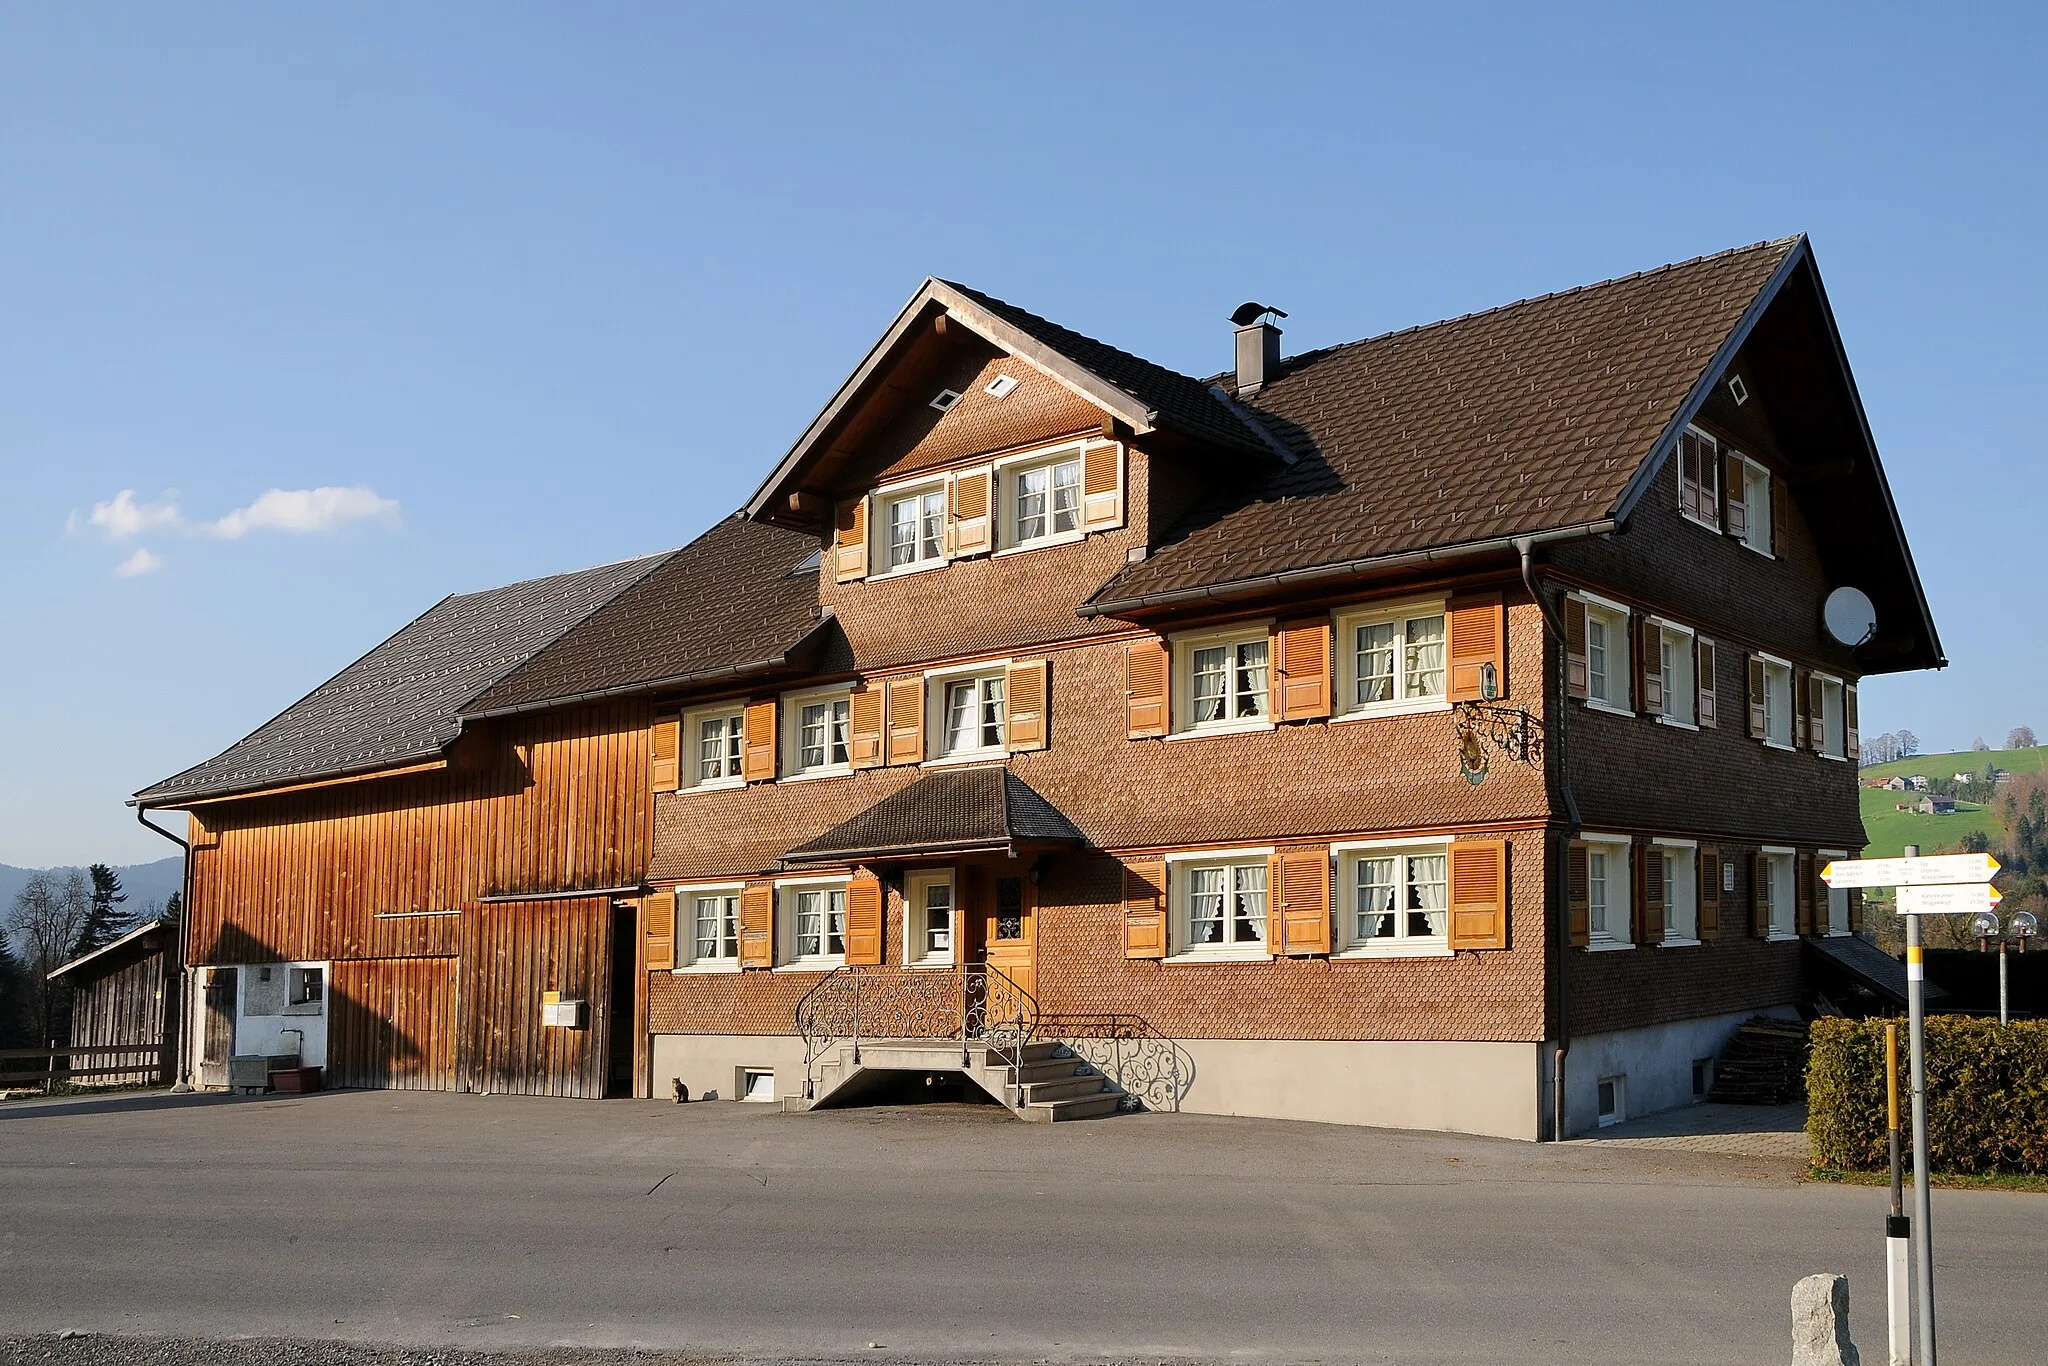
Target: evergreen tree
{"x": 14, "y": 1013}
{"x": 175, "y": 907}
{"x": 107, "y": 921}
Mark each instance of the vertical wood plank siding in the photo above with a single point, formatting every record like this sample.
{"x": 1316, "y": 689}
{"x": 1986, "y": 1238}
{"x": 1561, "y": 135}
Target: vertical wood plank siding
{"x": 391, "y": 1023}
{"x": 511, "y": 956}
{"x": 129, "y": 1004}
{"x": 555, "y": 802}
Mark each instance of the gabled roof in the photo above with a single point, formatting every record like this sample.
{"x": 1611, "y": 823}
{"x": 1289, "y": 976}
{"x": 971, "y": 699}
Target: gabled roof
{"x": 399, "y": 702}
{"x": 970, "y": 810}
{"x": 1143, "y": 396}
{"x": 162, "y": 922}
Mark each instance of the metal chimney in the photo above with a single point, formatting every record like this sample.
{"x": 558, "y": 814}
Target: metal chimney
{"x": 1258, "y": 346}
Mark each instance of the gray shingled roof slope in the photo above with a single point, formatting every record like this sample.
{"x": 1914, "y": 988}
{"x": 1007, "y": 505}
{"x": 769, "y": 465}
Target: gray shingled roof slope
{"x": 399, "y": 702}
{"x": 975, "y": 808}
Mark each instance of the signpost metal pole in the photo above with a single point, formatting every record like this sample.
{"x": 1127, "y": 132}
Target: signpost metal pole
{"x": 2002, "y": 1015}
{"x": 1898, "y": 1272}
{"x": 1916, "y": 1048}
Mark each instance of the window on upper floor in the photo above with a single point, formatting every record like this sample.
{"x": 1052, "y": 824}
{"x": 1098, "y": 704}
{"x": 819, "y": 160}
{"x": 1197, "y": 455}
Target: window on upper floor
{"x": 1677, "y": 673}
{"x": 971, "y": 714}
{"x": 1607, "y": 665}
{"x": 1681, "y": 891}
{"x": 913, "y": 527}
{"x": 1220, "y": 679}
{"x": 713, "y": 740}
{"x": 1755, "y": 529}
{"x": 1390, "y": 658}
{"x": 1837, "y": 897}
{"x": 1042, "y": 498}
{"x": 1699, "y": 478}
{"x": 928, "y": 903}
{"x": 1834, "y": 734}
{"x": 1395, "y": 900}
{"x": 1782, "y": 910}
{"x": 710, "y": 917}
{"x": 816, "y": 732}
{"x": 815, "y": 913}
{"x": 1777, "y": 700}
{"x": 1607, "y": 893}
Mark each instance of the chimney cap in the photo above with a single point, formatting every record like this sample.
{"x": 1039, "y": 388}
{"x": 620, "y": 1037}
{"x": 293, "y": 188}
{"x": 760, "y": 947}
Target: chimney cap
{"x": 1249, "y": 313}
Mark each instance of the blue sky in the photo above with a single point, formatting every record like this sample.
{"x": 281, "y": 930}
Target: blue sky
{"x": 484, "y": 292}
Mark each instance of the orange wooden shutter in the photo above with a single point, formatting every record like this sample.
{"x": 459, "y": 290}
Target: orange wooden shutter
{"x": 1757, "y": 729}
{"x": 1298, "y": 900}
{"x": 1710, "y": 893}
{"x": 1301, "y": 656}
{"x": 1760, "y": 895}
{"x": 1025, "y": 691}
{"x": 1579, "y": 893}
{"x": 1145, "y": 682}
{"x": 906, "y": 720}
{"x": 1733, "y": 496}
{"x": 1781, "y": 518}
{"x": 1649, "y": 666}
{"x": 663, "y": 741}
{"x": 1102, "y": 503}
{"x": 1145, "y": 908}
{"x": 1576, "y": 674}
{"x": 1707, "y": 705}
{"x": 1479, "y": 894}
{"x": 1478, "y": 635}
{"x": 864, "y": 727}
{"x": 850, "y": 541}
{"x": 757, "y": 750}
{"x": 1851, "y": 735}
{"x": 971, "y": 525}
{"x": 1803, "y": 879}
{"x": 757, "y": 924}
{"x": 658, "y": 925}
{"x": 864, "y": 919}
{"x": 1649, "y": 916}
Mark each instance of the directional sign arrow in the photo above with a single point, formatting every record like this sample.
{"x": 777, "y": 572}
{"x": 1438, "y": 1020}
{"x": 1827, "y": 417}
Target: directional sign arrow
{"x": 1934, "y": 869}
{"x": 1965, "y": 898}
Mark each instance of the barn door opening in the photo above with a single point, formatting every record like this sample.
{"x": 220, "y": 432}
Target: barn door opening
{"x": 218, "y": 1041}
{"x": 619, "y": 1012}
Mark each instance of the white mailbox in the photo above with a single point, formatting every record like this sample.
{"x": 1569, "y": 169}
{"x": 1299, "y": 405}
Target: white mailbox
{"x": 562, "y": 1014}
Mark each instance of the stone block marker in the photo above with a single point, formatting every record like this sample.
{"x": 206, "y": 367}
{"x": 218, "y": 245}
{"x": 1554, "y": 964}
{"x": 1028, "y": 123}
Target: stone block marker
{"x": 1820, "y": 1323}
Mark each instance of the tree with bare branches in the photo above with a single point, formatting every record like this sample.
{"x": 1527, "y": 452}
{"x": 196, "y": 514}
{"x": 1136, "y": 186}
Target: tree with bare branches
{"x": 49, "y": 914}
{"x": 2021, "y": 737}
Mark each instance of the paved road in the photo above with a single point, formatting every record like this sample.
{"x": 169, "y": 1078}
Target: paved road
{"x": 944, "y": 1233}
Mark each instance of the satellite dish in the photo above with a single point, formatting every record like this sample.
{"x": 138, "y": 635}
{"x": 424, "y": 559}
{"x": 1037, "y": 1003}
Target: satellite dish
{"x": 1849, "y": 616}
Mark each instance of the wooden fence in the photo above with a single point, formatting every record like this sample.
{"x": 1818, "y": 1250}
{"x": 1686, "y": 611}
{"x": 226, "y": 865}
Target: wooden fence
{"x": 146, "y": 1064}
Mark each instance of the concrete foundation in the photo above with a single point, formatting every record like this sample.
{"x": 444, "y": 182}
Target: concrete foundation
{"x": 711, "y": 1065}
{"x": 1653, "y": 1065}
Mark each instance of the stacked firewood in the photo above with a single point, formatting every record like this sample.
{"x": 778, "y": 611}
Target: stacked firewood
{"x": 1764, "y": 1064}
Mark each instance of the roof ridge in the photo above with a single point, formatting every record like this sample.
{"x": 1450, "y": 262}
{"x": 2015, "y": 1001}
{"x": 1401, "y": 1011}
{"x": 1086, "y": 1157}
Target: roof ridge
{"x": 568, "y": 573}
{"x": 985, "y": 297}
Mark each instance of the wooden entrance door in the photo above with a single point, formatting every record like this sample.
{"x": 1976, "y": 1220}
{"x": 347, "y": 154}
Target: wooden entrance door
{"x": 218, "y": 1040}
{"x": 1009, "y": 927}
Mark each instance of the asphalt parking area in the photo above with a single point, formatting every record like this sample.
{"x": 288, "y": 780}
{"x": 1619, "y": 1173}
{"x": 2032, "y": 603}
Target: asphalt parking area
{"x": 942, "y": 1233}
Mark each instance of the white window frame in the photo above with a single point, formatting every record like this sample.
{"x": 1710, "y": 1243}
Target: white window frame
{"x": 937, "y": 683}
{"x": 787, "y": 959}
{"x": 1681, "y": 870}
{"x": 1619, "y": 1113}
{"x": 687, "y": 959}
{"x": 1686, "y": 652}
{"x": 1184, "y": 647}
{"x": 1834, "y": 727}
{"x": 1621, "y": 664}
{"x": 1779, "y": 669}
{"x": 1758, "y": 530}
{"x": 1715, "y": 464}
{"x": 1617, "y": 927}
{"x": 791, "y": 746}
{"x": 1008, "y": 475}
{"x": 1179, "y": 867}
{"x": 1348, "y": 943}
{"x": 294, "y": 974}
{"x": 1344, "y": 644}
{"x": 1786, "y": 926}
{"x": 916, "y": 929}
{"x": 690, "y": 755}
{"x": 1838, "y": 926}
{"x": 879, "y": 504}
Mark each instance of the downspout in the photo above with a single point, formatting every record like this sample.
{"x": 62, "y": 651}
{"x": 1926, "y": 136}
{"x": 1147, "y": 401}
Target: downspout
{"x": 1559, "y": 863}
{"x": 184, "y": 958}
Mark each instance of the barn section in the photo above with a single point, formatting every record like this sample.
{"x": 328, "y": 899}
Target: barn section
{"x": 124, "y": 995}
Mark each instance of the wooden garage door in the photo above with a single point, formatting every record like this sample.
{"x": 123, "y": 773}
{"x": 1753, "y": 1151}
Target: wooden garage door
{"x": 391, "y": 1024}
{"x": 513, "y": 956}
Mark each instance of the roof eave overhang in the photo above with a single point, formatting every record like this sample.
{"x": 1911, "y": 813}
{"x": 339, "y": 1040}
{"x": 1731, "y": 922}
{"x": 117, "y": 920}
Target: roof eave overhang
{"x": 898, "y": 853}
{"x": 138, "y": 932}
{"x": 424, "y": 760}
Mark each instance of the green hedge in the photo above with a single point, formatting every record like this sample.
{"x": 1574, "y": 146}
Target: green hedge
{"x": 1987, "y": 1094}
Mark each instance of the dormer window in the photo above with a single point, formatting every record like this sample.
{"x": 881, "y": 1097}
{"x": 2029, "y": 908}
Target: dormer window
{"x": 914, "y": 525}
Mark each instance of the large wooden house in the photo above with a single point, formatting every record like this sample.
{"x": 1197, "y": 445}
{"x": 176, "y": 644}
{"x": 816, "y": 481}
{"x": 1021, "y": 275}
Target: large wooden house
{"x": 1435, "y": 731}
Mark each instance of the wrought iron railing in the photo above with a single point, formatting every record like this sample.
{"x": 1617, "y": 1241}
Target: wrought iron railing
{"x": 977, "y": 1006}
{"x": 1153, "y": 1071}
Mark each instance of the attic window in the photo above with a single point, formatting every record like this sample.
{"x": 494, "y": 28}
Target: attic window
{"x": 1000, "y": 386}
{"x": 1738, "y": 390}
{"x": 946, "y": 399}
{"x": 810, "y": 564}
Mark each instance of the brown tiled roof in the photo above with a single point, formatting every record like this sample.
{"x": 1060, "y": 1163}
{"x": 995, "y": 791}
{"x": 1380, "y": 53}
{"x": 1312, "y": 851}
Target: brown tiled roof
{"x": 742, "y": 596}
{"x": 1526, "y": 418}
{"x": 959, "y": 811}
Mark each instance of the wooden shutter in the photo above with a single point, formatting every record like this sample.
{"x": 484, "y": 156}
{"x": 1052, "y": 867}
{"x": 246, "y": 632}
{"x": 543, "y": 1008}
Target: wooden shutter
{"x": 850, "y": 541}
{"x": 1760, "y": 895}
{"x": 662, "y": 744}
{"x": 864, "y": 918}
{"x": 1706, "y": 701}
{"x": 1477, "y": 630}
{"x": 864, "y": 727}
{"x": 757, "y": 924}
{"x": 1649, "y": 908}
{"x": 1757, "y": 683}
{"x": 971, "y": 526}
{"x": 1781, "y": 518}
{"x": 1690, "y": 455}
{"x": 1649, "y": 666}
{"x": 1102, "y": 503}
{"x": 1853, "y": 738}
{"x": 1855, "y": 910}
{"x": 1026, "y": 689}
{"x": 1802, "y": 710}
{"x": 1805, "y": 882}
{"x": 1479, "y": 894}
{"x": 1298, "y": 900}
{"x": 1709, "y": 901}
{"x": 1145, "y": 685}
{"x": 658, "y": 927}
{"x": 1734, "y": 496}
{"x": 1301, "y": 657}
{"x": 757, "y": 749}
{"x": 906, "y": 720}
{"x": 1145, "y": 908}
{"x": 1578, "y": 893}
{"x": 1577, "y": 678}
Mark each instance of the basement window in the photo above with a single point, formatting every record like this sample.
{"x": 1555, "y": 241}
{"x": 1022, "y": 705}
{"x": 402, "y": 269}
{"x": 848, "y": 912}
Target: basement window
{"x": 1613, "y": 1098}
{"x": 757, "y": 1083}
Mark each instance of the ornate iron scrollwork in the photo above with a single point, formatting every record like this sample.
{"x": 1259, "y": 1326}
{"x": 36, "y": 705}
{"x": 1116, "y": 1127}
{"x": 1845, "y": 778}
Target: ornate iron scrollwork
{"x": 1486, "y": 729}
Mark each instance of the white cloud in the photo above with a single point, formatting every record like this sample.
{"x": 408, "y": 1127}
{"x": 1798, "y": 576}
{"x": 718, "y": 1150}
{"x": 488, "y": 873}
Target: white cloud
{"x": 143, "y": 561}
{"x": 305, "y": 511}
{"x": 121, "y": 516}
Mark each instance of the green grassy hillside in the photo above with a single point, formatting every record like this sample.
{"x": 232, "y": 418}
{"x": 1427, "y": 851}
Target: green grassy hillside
{"x": 1891, "y": 830}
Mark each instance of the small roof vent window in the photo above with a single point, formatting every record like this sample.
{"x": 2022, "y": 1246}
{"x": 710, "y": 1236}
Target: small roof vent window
{"x": 946, "y": 399}
{"x": 1000, "y": 386}
{"x": 810, "y": 564}
{"x": 1738, "y": 390}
